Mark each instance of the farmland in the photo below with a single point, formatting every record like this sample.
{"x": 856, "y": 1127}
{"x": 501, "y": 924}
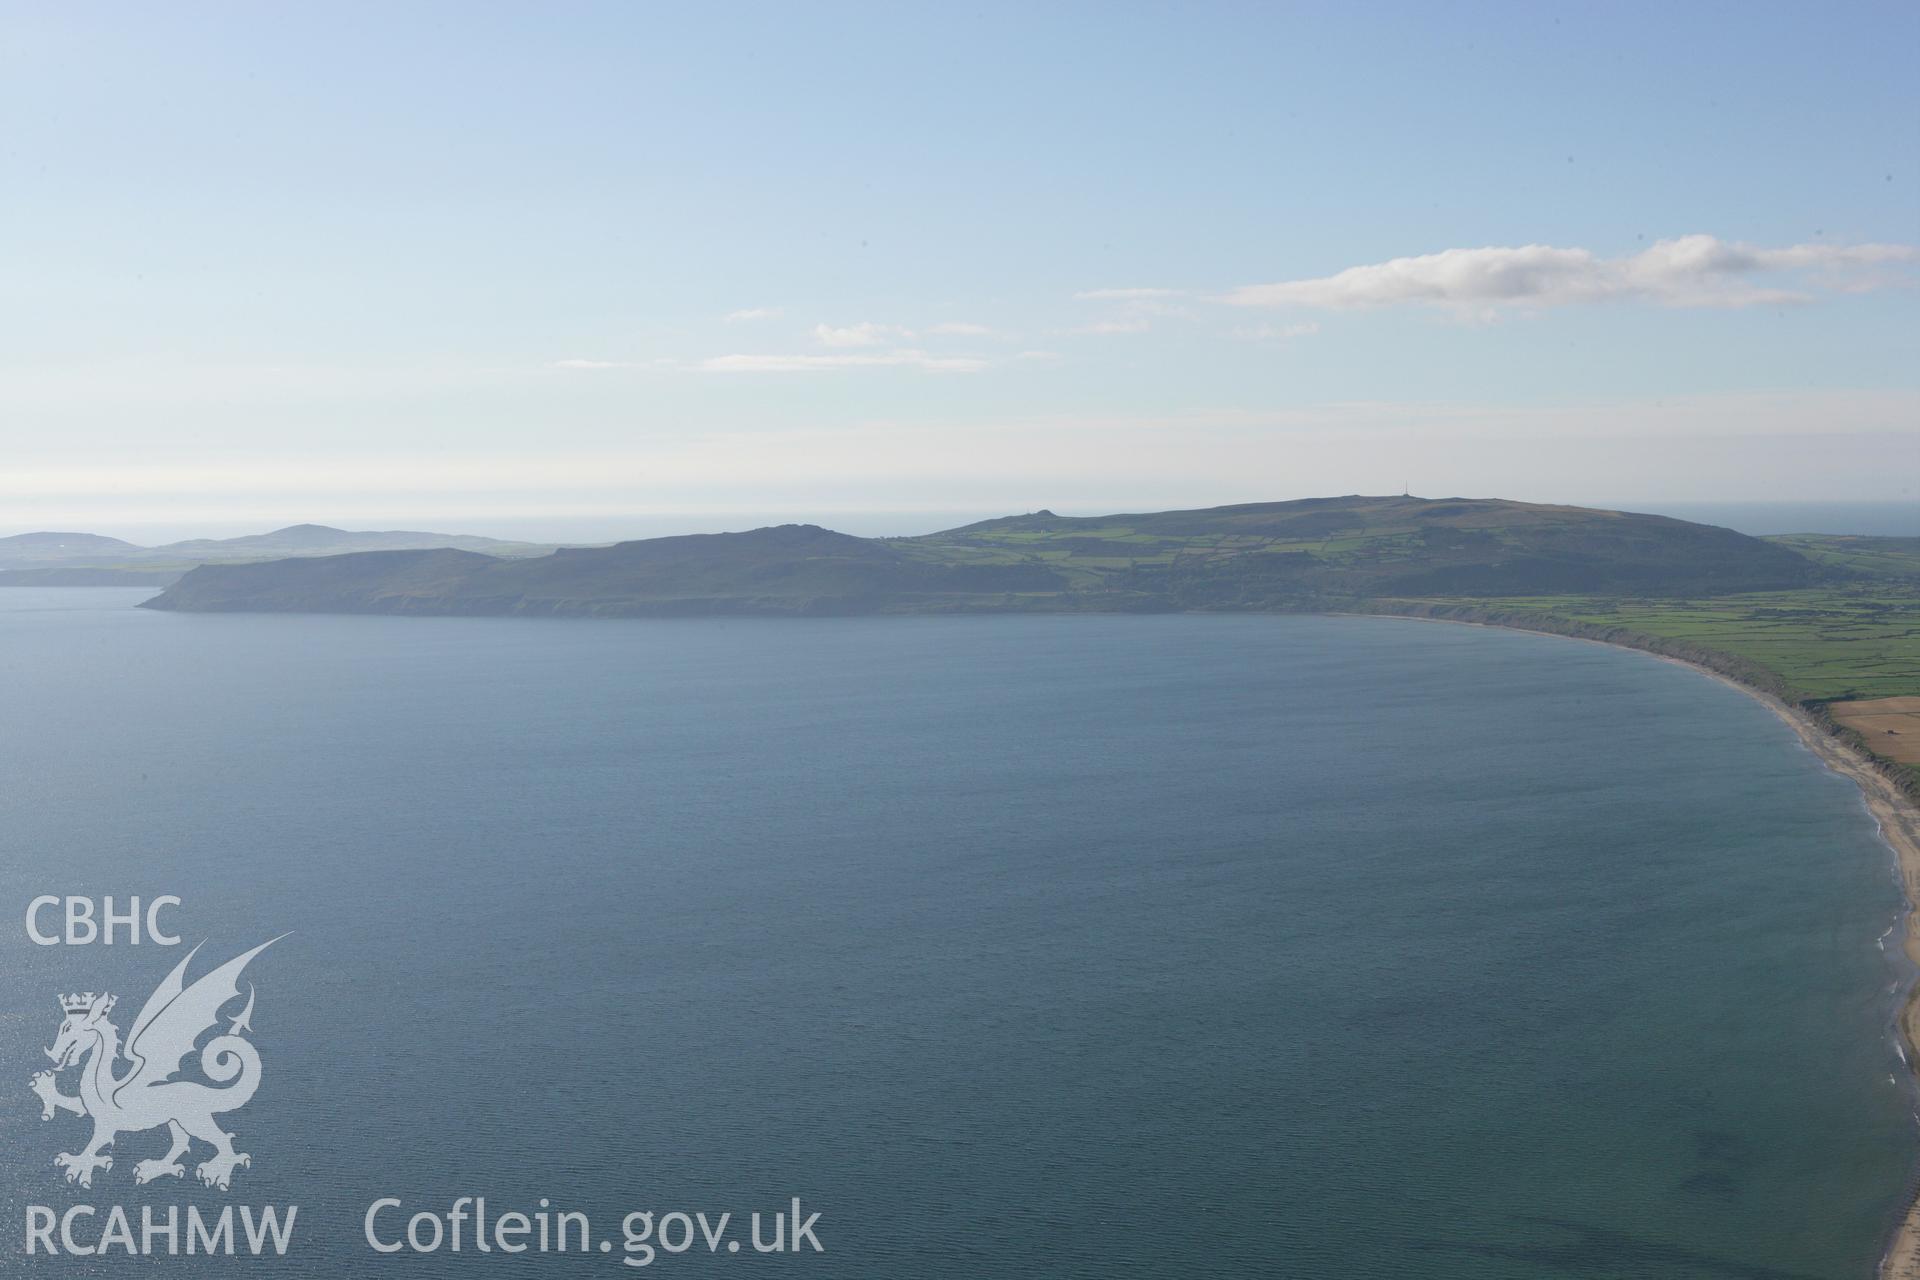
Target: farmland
{"x": 1825, "y": 643}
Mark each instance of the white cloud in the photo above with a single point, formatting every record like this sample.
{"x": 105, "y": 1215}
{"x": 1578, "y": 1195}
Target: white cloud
{"x": 1043, "y": 356}
{"x": 962, "y": 328}
{"x": 898, "y": 359}
{"x": 864, "y": 334}
{"x": 750, "y": 314}
{"x": 1133, "y": 310}
{"x": 1690, "y": 271}
{"x": 1126, "y": 295}
{"x": 1278, "y": 332}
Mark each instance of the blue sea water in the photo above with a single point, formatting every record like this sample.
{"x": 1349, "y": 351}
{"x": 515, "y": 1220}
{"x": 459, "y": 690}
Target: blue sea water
{"x": 1015, "y": 947}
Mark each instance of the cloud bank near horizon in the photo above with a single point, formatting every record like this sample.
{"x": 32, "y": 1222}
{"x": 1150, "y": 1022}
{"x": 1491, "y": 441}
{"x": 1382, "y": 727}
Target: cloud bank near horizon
{"x": 900, "y": 358}
{"x": 1687, "y": 271}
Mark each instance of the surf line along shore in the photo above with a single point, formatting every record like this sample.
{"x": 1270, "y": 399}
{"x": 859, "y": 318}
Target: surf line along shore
{"x": 1899, "y": 821}
{"x": 1898, "y": 818}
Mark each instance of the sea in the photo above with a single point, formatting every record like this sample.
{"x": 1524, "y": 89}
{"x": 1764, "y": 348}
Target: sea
{"x": 1210, "y": 946}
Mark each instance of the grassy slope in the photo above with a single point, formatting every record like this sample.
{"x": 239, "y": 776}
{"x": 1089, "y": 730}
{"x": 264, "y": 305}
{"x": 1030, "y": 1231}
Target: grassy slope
{"x": 1888, "y": 559}
{"x": 1848, "y": 639}
{"x": 1318, "y": 553}
{"x": 1825, "y": 644}
{"x": 1260, "y": 554}
{"x": 790, "y": 569}
{"x": 1858, "y": 638}
{"x": 1832, "y": 617}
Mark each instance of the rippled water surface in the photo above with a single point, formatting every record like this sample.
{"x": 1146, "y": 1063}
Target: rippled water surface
{"x": 1016, "y": 947}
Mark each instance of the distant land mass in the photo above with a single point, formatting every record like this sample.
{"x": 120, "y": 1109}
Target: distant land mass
{"x": 1825, "y": 628}
{"x": 1311, "y": 553}
{"x": 321, "y": 540}
{"x": 39, "y": 548}
{"x": 89, "y": 559}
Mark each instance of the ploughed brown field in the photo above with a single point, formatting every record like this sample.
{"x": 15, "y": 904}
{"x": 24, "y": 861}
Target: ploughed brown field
{"x": 1891, "y": 726}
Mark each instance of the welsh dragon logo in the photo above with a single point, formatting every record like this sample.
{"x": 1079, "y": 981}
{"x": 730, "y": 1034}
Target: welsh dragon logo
{"x": 146, "y": 1094}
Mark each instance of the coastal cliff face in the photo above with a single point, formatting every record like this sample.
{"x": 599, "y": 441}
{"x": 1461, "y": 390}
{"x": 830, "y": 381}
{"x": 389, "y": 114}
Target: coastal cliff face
{"x": 362, "y": 582}
{"x": 1309, "y": 554}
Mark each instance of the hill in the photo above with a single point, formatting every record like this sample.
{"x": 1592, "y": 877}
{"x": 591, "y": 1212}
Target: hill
{"x": 1888, "y": 559}
{"x": 789, "y": 569}
{"x": 323, "y": 540}
{"x": 1255, "y": 553}
{"x": 89, "y": 559}
{"x": 1315, "y": 553}
{"x": 53, "y": 548}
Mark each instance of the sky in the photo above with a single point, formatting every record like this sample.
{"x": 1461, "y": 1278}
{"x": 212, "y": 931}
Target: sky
{"x": 579, "y": 270}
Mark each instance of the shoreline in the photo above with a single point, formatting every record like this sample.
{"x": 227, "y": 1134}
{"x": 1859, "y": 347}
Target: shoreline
{"x": 1898, "y": 820}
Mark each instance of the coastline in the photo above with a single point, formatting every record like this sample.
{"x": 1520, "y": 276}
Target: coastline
{"x": 1898, "y": 819}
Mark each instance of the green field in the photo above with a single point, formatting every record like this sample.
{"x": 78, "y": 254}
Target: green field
{"x": 1894, "y": 559}
{"x": 1827, "y": 644}
{"x": 1854, "y": 639}
{"x": 1858, "y": 640}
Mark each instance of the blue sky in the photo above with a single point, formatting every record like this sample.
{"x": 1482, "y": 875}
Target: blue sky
{"x": 579, "y": 268}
